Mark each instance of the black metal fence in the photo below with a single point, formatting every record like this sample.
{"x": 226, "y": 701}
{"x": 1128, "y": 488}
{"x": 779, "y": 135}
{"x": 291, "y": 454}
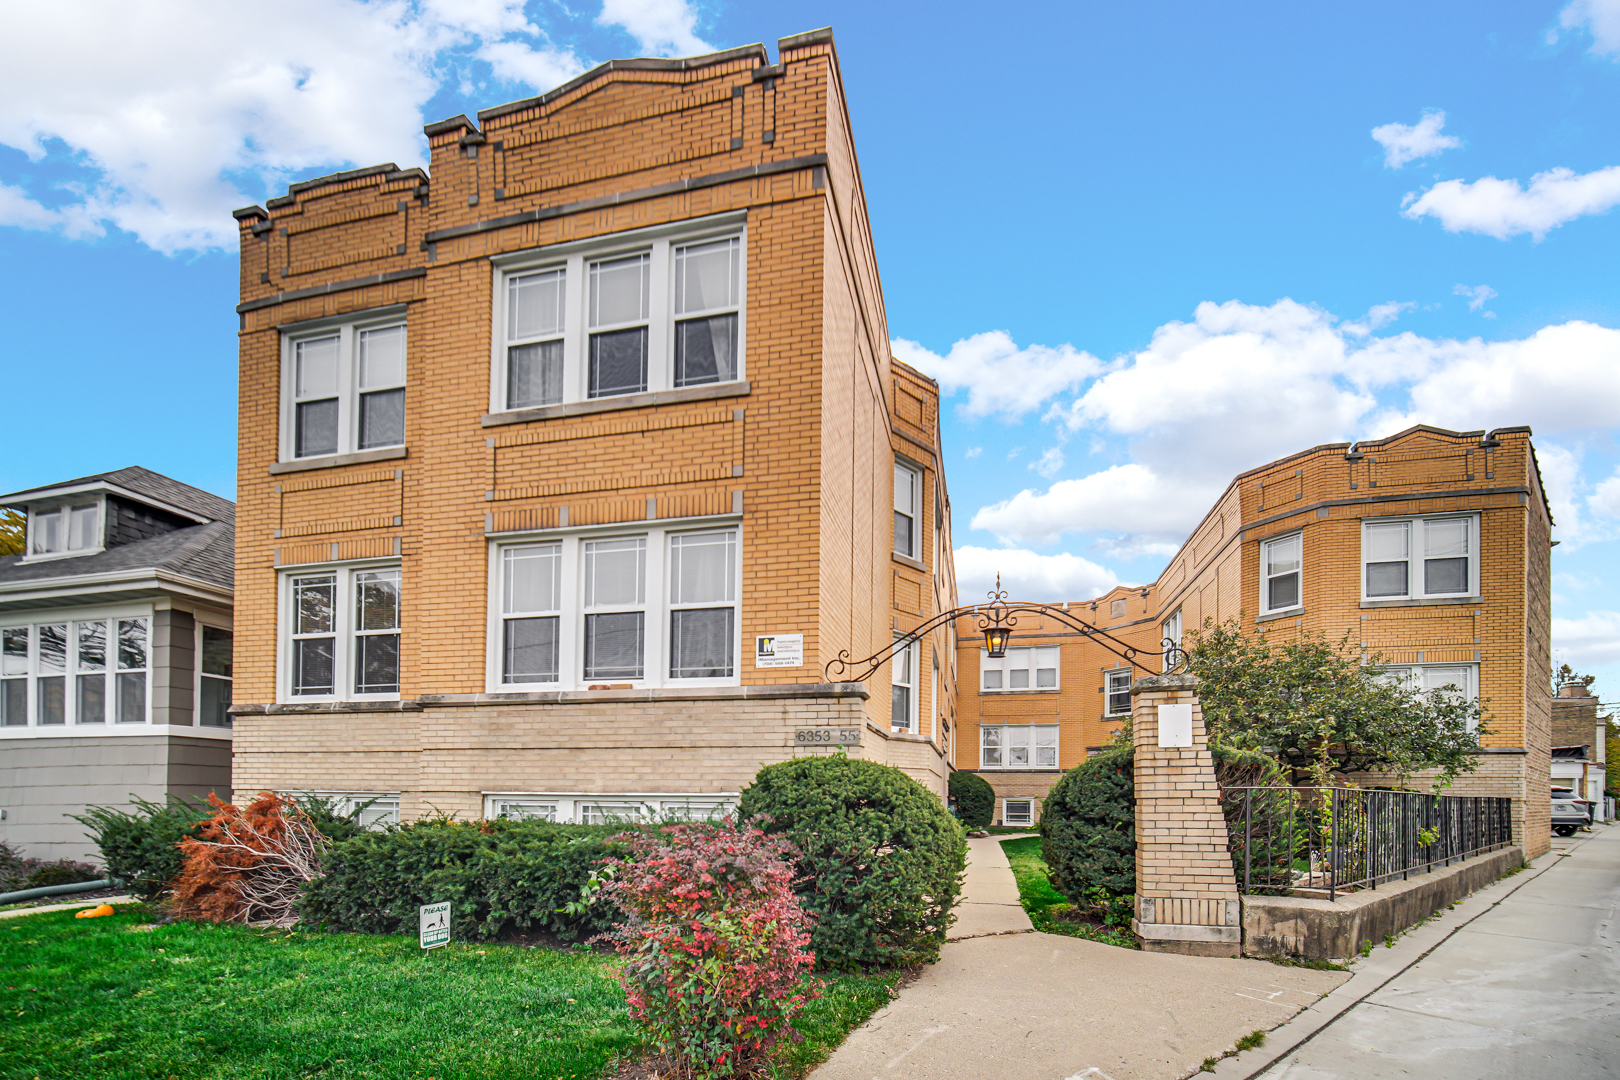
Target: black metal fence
{"x": 1286, "y": 839}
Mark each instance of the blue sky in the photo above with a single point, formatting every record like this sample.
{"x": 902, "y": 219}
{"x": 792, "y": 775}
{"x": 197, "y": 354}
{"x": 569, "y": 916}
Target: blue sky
{"x": 1143, "y": 248}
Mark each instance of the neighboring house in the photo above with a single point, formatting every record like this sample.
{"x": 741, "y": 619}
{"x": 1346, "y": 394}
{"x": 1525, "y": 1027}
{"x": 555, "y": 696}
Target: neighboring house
{"x": 565, "y": 471}
{"x": 115, "y": 653}
{"x": 1580, "y": 744}
{"x": 1431, "y": 548}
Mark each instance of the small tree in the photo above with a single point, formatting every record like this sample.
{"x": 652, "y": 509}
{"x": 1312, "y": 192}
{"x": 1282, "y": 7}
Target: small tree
{"x": 1321, "y": 710}
{"x": 714, "y": 945}
{"x": 974, "y": 798}
{"x": 1566, "y": 674}
{"x": 249, "y": 864}
{"x": 13, "y": 527}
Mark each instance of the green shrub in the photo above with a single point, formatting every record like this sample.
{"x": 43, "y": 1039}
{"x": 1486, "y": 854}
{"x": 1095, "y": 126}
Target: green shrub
{"x": 1088, "y": 824}
{"x": 498, "y": 876}
{"x": 142, "y": 847}
{"x": 975, "y": 799}
{"x": 881, "y": 859}
{"x": 324, "y": 814}
{"x": 17, "y": 872}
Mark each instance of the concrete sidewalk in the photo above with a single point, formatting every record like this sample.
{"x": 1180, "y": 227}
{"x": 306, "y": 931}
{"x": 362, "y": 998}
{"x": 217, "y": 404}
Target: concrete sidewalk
{"x": 68, "y": 906}
{"x": 1006, "y": 1003}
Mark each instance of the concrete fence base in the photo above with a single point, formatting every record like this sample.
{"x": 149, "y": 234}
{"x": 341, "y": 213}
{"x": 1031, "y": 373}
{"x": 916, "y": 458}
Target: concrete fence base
{"x": 1311, "y": 929}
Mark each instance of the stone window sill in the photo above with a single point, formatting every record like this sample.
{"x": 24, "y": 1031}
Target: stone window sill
{"x": 333, "y": 461}
{"x": 625, "y": 401}
{"x": 1428, "y": 601}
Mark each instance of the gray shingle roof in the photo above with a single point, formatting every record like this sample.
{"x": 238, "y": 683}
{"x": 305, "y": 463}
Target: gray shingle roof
{"x": 146, "y": 482}
{"x": 201, "y": 553}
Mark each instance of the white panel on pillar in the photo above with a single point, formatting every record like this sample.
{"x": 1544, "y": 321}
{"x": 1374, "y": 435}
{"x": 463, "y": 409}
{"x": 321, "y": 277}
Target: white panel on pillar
{"x": 1175, "y": 725}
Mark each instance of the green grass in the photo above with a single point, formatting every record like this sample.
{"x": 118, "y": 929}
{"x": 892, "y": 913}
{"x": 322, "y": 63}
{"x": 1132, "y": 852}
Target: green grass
{"x": 110, "y": 999}
{"x": 1044, "y": 903}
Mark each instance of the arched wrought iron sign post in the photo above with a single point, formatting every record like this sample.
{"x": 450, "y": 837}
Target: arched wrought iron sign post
{"x": 997, "y": 621}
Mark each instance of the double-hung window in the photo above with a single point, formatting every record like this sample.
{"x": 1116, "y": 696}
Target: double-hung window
{"x": 14, "y": 650}
{"x": 342, "y": 633}
{"x": 343, "y": 388}
{"x": 1170, "y": 637}
{"x": 903, "y": 689}
{"x": 90, "y": 672}
{"x": 702, "y": 600}
{"x": 1018, "y": 746}
{"x": 214, "y": 677}
{"x": 646, "y": 311}
{"x": 531, "y": 607}
{"x": 1420, "y": 558}
{"x": 65, "y": 530}
{"x": 1280, "y": 565}
{"x": 615, "y": 608}
{"x": 1117, "y": 691}
{"x": 1034, "y": 668}
{"x": 1456, "y": 681}
{"x": 907, "y": 509}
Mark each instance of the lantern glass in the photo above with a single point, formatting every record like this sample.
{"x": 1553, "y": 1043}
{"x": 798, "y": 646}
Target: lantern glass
{"x": 995, "y": 641}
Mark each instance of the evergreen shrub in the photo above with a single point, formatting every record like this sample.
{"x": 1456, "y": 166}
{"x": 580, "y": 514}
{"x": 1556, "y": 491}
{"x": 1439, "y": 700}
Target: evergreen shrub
{"x": 975, "y": 799}
{"x": 499, "y": 876}
{"x": 143, "y": 846}
{"x": 1088, "y": 824}
{"x": 880, "y": 858}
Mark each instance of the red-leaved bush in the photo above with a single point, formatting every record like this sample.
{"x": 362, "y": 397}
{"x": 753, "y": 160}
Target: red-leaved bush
{"x": 714, "y": 943}
{"x": 249, "y": 864}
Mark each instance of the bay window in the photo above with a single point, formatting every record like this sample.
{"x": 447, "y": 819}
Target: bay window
{"x": 1033, "y": 668}
{"x": 1018, "y": 746}
{"x": 343, "y": 385}
{"x": 1281, "y": 561}
{"x": 644, "y": 311}
{"x": 1420, "y": 558}
{"x": 341, "y": 633}
{"x": 87, "y": 672}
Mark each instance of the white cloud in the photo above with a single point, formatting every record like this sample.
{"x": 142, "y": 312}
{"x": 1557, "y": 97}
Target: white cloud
{"x": 1378, "y": 317}
{"x": 1593, "y": 638}
{"x": 973, "y": 452}
{"x": 1403, "y": 142}
{"x": 1605, "y": 498}
{"x": 170, "y": 103}
{"x": 1027, "y": 575}
{"x": 1131, "y": 499}
{"x": 1050, "y": 462}
{"x": 1601, "y": 18}
{"x": 660, "y": 27}
{"x": 1477, "y": 295}
{"x": 1503, "y": 208}
{"x": 1001, "y": 379}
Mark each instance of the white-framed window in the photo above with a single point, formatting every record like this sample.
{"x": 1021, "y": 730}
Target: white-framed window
{"x": 1281, "y": 563}
{"x": 1170, "y": 636}
{"x": 340, "y": 633}
{"x": 1018, "y": 811}
{"x": 1117, "y": 692}
{"x": 655, "y": 607}
{"x": 215, "y": 664}
{"x": 907, "y": 509}
{"x": 74, "y": 528}
{"x": 376, "y": 809}
{"x": 1456, "y": 680}
{"x": 650, "y": 310}
{"x": 903, "y": 689}
{"x": 1029, "y": 668}
{"x": 1018, "y": 746}
{"x": 1421, "y": 557}
{"x": 524, "y": 809}
{"x": 609, "y": 812}
{"x": 343, "y": 386}
{"x": 75, "y": 672}
{"x": 609, "y": 808}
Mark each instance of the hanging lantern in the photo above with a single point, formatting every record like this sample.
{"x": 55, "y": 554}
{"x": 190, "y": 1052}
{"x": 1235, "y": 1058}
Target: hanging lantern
{"x": 995, "y": 640}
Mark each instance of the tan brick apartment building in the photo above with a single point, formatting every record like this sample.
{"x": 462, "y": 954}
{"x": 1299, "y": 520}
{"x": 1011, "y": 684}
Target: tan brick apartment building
{"x": 1430, "y": 547}
{"x": 567, "y": 464}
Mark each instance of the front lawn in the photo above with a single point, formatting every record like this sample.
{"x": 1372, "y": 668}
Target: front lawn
{"x": 1049, "y": 909}
{"x": 113, "y": 998}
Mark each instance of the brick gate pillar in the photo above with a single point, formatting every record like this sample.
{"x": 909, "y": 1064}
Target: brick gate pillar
{"x": 1186, "y": 893}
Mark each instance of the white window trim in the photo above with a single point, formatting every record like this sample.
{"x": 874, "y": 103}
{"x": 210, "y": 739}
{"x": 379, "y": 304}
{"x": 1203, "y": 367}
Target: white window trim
{"x": 1170, "y": 630}
{"x": 1108, "y": 695}
{"x": 570, "y": 649}
{"x": 58, "y": 509}
{"x": 1031, "y": 766}
{"x": 342, "y": 632}
{"x": 1029, "y": 821}
{"x": 569, "y": 806}
{"x": 348, "y": 329}
{"x": 1265, "y": 581}
{"x": 914, "y": 703}
{"x": 986, "y": 663}
{"x": 574, "y": 258}
{"x": 1416, "y": 670}
{"x": 345, "y": 802}
{"x": 70, "y": 617}
{"x": 916, "y": 509}
{"x": 197, "y": 676}
{"x": 1414, "y": 557}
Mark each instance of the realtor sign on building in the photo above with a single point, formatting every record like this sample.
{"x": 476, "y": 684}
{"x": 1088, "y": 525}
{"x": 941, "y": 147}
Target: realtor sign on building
{"x": 433, "y": 923}
{"x": 779, "y": 650}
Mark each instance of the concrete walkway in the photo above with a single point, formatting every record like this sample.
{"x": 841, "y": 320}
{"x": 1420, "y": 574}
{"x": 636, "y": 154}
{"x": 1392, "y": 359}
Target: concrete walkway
{"x": 1006, "y": 1003}
{"x": 1522, "y": 979}
{"x": 67, "y": 906}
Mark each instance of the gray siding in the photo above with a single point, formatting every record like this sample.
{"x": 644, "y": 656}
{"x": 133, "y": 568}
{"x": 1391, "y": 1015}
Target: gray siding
{"x": 174, "y": 668}
{"x": 130, "y": 522}
{"x": 43, "y": 780}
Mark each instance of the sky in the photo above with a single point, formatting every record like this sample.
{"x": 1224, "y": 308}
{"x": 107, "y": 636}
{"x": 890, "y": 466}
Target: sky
{"x": 1143, "y": 247}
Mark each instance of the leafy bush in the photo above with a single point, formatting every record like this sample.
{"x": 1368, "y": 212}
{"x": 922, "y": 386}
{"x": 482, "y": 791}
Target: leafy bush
{"x": 249, "y": 864}
{"x": 714, "y": 943}
{"x": 17, "y": 872}
{"x": 142, "y": 847}
{"x": 881, "y": 858}
{"x": 498, "y": 876}
{"x": 975, "y": 799}
{"x": 1088, "y": 824}
{"x": 323, "y": 813}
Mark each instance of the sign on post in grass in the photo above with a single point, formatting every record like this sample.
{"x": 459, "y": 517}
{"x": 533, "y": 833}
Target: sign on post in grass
{"x": 434, "y": 924}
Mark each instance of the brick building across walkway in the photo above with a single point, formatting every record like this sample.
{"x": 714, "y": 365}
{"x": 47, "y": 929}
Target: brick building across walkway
{"x": 566, "y": 464}
{"x": 1430, "y": 548}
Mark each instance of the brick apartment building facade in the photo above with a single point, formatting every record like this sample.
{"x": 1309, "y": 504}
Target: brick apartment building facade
{"x": 566, "y": 464}
{"x": 1431, "y": 548}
